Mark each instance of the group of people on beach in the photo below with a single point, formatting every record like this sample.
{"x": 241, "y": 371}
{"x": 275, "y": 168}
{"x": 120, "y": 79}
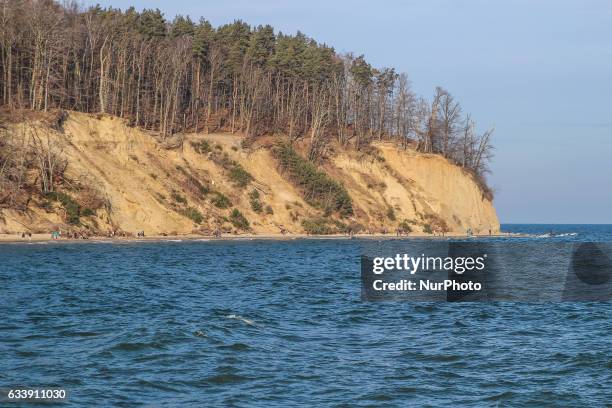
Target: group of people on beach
{"x": 55, "y": 235}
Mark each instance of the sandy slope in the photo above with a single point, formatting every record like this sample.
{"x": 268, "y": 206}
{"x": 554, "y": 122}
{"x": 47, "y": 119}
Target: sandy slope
{"x": 138, "y": 177}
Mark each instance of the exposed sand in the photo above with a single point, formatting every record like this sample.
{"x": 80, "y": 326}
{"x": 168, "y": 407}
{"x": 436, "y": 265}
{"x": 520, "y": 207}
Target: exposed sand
{"x": 139, "y": 178}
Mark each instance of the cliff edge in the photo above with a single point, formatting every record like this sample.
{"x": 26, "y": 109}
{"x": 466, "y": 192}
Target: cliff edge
{"x": 124, "y": 179}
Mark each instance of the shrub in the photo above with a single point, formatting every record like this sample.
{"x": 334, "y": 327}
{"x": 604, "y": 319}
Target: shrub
{"x": 236, "y": 173}
{"x": 204, "y": 189}
{"x": 239, "y": 175}
{"x": 391, "y": 213}
{"x": 194, "y": 186}
{"x": 254, "y": 195}
{"x": 73, "y": 209}
{"x": 435, "y": 223}
{"x": 87, "y": 212}
{"x": 269, "y": 210}
{"x": 193, "y": 214}
{"x": 256, "y": 205}
{"x": 201, "y": 147}
{"x": 178, "y": 198}
{"x": 404, "y": 227}
{"x": 427, "y": 229}
{"x": 353, "y": 228}
{"x": 220, "y": 200}
{"x": 317, "y": 226}
{"x": 317, "y": 187}
{"x": 238, "y": 220}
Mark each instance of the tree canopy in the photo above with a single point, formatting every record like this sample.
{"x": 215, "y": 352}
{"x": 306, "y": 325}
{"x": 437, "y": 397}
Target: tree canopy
{"x": 174, "y": 76}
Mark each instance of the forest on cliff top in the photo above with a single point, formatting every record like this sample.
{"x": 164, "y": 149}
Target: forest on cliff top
{"x": 179, "y": 76}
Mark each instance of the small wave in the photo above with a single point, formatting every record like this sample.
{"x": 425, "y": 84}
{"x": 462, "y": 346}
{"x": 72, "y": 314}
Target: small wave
{"x": 235, "y": 347}
{"x": 173, "y": 240}
{"x": 226, "y": 378}
{"x": 136, "y": 346}
{"x": 242, "y": 319}
{"x": 566, "y": 234}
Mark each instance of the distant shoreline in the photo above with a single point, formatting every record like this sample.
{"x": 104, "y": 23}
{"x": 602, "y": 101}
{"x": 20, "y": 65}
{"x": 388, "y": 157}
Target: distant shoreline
{"x": 38, "y": 238}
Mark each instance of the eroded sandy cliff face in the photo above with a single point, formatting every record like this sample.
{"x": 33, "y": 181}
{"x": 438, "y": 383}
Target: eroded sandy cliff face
{"x": 153, "y": 186}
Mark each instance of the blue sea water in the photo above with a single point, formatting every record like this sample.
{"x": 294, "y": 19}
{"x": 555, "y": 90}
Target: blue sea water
{"x": 281, "y": 323}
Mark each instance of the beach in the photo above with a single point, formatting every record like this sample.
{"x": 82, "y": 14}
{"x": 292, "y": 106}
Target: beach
{"x": 16, "y": 238}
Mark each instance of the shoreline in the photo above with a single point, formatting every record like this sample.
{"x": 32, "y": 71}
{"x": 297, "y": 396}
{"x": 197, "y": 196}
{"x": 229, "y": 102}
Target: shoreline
{"x": 39, "y": 238}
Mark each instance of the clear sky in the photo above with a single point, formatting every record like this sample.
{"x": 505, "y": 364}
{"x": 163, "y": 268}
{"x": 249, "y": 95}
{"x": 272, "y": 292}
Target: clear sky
{"x": 539, "y": 71}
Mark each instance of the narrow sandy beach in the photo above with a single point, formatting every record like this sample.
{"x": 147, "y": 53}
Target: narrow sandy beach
{"x": 16, "y": 238}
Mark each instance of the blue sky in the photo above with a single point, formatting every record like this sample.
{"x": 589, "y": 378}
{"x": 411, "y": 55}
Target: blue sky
{"x": 539, "y": 71}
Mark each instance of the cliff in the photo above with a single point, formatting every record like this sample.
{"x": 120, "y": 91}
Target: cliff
{"x": 139, "y": 182}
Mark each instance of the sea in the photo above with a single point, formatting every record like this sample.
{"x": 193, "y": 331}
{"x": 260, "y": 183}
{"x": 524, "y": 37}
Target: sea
{"x": 268, "y": 323}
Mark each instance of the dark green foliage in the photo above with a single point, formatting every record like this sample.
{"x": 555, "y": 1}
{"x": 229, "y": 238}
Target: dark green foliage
{"x": 405, "y": 227}
{"x": 261, "y": 45}
{"x": 182, "y": 26}
{"x": 427, "y": 229}
{"x": 318, "y": 188}
{"x": 178, "y": 198}
{"x": 87, "y": 212}
{"x": 202, "y": 38}
{"x": 238, "y": 220}
{"x": 390, "y": 213}
{"x": 236, "y": 173}
{"x": 72, "y": 208}
{"x": 151, "y": 23}
{"x": 220, "y": 200}
{"x": 205, "y": 189}
{"x": 201, "y": 147}
{"x": 269, "y": 210}
{"x": 319, "y": 226}
{"x": 235, "y": 40}
{"x": 362, "y": 71}
{"x": 239, "y": 175}
{"x": 193, "y": 214}
{"x": 256, "y": 205}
